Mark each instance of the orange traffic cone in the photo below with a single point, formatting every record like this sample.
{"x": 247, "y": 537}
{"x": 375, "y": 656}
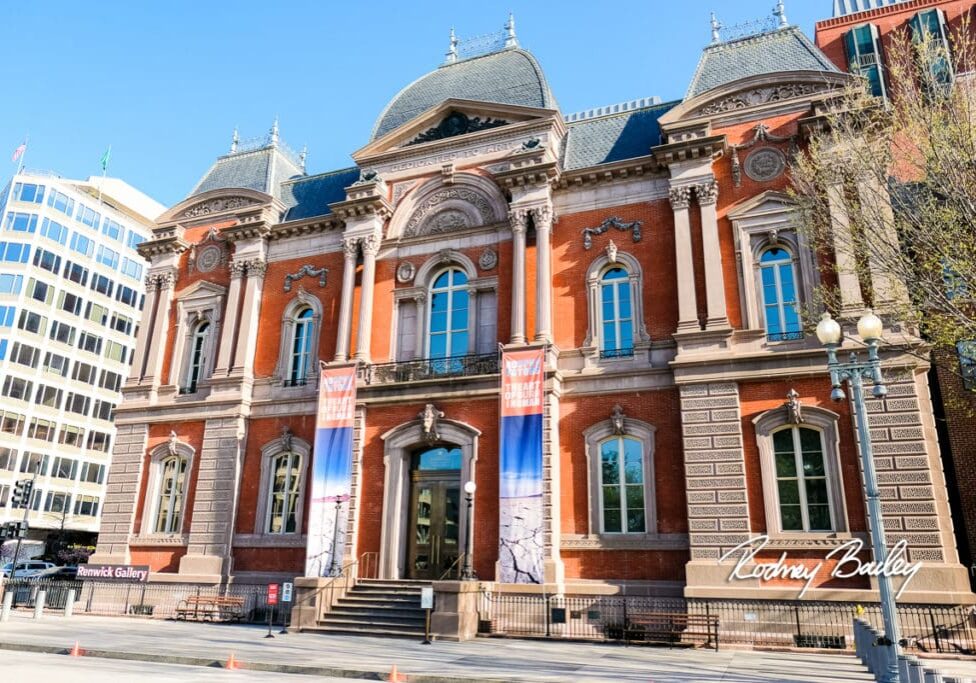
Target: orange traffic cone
{"x": 395, "y": 677}
{"x": 231, "y": 662}
{"x": 76, "y": 651}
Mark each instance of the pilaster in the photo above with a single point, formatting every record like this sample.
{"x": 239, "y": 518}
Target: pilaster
{"x": 684, "y": 263}
{"x": 848, "y": 286}
{"x": 717, "y": 317}
{"x": 350, "y": 250}
{"x": 371, "y": 247}
{"x": 247, "y": 330}
{"x": 162, "y": 282}
{"x": 542, "y": 217}
{"x": 121, "y": 494}
{"x": 228, "y": 336}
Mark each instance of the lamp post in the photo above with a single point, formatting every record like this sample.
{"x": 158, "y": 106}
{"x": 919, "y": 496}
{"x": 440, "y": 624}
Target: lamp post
{"x": 467, "y": 572}
{"x": 334, "y": 568}
{"x": 854, "y": 372}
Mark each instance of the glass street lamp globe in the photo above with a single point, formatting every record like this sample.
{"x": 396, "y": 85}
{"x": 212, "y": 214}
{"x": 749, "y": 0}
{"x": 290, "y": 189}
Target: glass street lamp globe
{"x": 828, "y": 331}
{"x": 469, "y": 487}
{"x": 870, "y": 326}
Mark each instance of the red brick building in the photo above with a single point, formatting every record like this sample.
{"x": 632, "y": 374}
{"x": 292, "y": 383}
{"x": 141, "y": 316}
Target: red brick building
{"x": 650, "y": 247}
{"x": 860, "y": 32}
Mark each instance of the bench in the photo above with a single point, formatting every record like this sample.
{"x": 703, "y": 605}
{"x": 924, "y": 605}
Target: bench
{"x": 208, "y": 608}
{"x": 671, "y": 627}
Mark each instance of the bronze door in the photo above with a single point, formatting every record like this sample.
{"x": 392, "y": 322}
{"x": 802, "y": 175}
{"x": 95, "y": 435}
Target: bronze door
{"x": 435, "y": 504}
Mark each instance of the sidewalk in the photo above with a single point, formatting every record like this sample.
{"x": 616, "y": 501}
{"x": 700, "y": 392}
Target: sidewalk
{"x": 368, "y": 658}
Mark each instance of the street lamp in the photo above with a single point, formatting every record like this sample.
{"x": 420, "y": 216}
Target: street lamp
{"x": 854, "y": 372}
{"x": 467, "y": 572}
{"x": 334, "y": 568}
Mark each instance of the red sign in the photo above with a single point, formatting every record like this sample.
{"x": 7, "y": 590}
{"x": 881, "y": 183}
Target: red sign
{"x": 522, "y": 382}
{"x": 337, "y": 398}
{"x": 272, "y": 594}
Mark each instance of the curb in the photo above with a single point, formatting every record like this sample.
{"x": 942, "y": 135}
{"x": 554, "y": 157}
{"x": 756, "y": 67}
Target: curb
{"x": 357, "y": 674}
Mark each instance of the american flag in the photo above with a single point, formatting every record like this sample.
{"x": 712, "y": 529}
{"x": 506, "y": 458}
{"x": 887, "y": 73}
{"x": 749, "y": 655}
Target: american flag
{"x": 19, "y": 152}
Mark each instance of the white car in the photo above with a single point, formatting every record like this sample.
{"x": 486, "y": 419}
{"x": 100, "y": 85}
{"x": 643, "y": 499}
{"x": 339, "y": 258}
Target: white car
{"x": 27, "y": 569}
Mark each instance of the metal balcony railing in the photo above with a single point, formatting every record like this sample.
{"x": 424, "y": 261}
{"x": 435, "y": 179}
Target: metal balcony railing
{"x": 430, "y": 368}
{"x": 784, "y": 336}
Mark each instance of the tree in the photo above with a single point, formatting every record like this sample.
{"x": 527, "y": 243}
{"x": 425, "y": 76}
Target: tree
{"x": 905, "y": 170}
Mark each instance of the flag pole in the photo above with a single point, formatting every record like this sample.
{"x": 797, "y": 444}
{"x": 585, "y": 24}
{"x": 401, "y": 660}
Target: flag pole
{"x": 20, "y": 167}
{"x": 105, "y": 160}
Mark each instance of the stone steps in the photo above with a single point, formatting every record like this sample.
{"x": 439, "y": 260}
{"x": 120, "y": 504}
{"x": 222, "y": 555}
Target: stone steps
{"x": 377, "y": 607}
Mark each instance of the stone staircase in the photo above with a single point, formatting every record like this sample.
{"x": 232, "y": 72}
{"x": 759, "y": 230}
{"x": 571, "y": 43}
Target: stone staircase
{"x": 378, "y": 607}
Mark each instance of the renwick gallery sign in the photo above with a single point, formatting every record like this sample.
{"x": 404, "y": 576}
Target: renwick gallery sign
{"x": 848, "y": 564}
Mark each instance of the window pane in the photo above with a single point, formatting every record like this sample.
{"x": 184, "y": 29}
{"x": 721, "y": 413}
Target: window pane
{"x": 783, "y": 441}
{"x": 819, "y": 518}
{"x": 816, "y": 492}
{"x": 635, "y": 521}
{"x": 633, "y": 462}
{"x": 610, "y": 462}
{"x": 611, "y": 521}
{"x": 792, "y": 520}
{"x": 635, "y": 497}
{"x": 789, "y": 492}
{"x": 785, "y": 464}
{"x": 442, "y": 280}
{"x": 611, "y": 497}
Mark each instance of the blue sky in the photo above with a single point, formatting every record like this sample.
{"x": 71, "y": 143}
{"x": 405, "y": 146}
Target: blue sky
{"x": 166, "y": 82}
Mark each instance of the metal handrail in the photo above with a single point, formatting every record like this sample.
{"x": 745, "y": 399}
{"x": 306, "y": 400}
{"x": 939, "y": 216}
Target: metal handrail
{"x": 341, "y": 575}
{"x": 453, "y": 566}
{"x": 430, "y": 368}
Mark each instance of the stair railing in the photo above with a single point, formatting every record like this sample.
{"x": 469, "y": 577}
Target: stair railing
{"x": 453, "y": 568}
{"x": 363, "y": 567}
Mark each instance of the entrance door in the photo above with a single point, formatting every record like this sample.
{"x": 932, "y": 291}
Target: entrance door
{"x": 435, "y": 505}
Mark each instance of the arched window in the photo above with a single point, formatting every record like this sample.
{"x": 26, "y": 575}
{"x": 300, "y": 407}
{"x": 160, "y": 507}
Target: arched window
{"x": 198, "y": 359}
{"x": 778, "y": 278}
{"x": 802, "y": 480}
{"x": 283, "y": 494}
{"x": 622, "y": 502}
{"x": 448, "y": 329}
{"x": 301, "y": 348}
{"x": 169, "y": 502}
{"x": 616, "y": 314}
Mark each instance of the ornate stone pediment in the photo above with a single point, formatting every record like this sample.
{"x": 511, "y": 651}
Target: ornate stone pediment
{"x": 457, "y": 123}
{"x": 218, "y": 205}
{"x": 757, "y": 96}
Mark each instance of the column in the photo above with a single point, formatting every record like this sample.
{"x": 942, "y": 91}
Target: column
{"x": 717, "y": 317}
{"x": 145, "y": 334}
{"x": 543, "y": 274}
{"x": 350, "y": 248}
{"x": 247, "y": 336}
{"x": 420, "y": 343}
{"x": 519, "y": 219}
{"x": 371, "y": 247}
{"x": 228, "y": 334}
{"x": 848, "y": 286}
{"x": 884, "y": 251}
{"x": 684, "y": 264}
{"x": 160, "y": 333}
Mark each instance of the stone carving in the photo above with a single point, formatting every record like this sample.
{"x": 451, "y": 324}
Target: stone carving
{"x": 765, "y": 164}
{"x": 446, "y": 221}
{"x": 519, "y": 219}
{"x": 399, "y": 190}
{"x": 405, "y": 272}
{"x": 286, "y": 438}
{"x": 759, "y": 96}
{"x": 457, "y": 123}
{"x": 531, "y": 143}
{"x": 613, "y": 222}
{"x": 350, "y": 247}
{"x": 707, "y": 193}
{"x": 612, "y": 251}
{"x": 247, "y": 268}
{"x": 256, "y": 268}
{"x": 617, "y": 420}
{"x": 428, "y": 422}
{"x": 488, "y": 259}
{"x": 761, "y": 134}
{"x": 208, "y": 259}
{"x": 420, "y": 223}
{"x": 238, "y": 268}
{"x": 542, "y": 217}
{"x": 447, "y": 173}
{"x": 367, "y": 175}
{"x": 680, "y": 197}
{"x": 172, "y": 445}
{"x": 371, "y": 245}
{"x": 160, "y": 280}
{"x": 218, "y": 205}
{"x": 794, "y": 410}
{"x": 306, "y": 270}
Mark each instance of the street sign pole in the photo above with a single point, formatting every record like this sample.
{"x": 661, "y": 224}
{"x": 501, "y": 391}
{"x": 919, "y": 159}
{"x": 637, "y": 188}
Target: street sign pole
{"x": 427, "y": 604}
{"x": 286, "y": 592}
{"x": 27, "y": 489}
{"x": 272, "y": 601}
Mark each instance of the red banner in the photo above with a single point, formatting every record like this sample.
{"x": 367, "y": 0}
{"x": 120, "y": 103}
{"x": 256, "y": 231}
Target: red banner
{"x": 272, "y": 594}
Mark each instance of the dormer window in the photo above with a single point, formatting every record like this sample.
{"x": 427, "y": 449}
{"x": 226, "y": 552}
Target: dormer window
{"x": 864, "y": 57}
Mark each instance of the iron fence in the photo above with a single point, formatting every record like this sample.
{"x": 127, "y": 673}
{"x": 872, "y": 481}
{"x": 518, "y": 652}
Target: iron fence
{"x": 430, "y": 368}
{"x": 760, "y": 623}
{"x": 153, "y": 600}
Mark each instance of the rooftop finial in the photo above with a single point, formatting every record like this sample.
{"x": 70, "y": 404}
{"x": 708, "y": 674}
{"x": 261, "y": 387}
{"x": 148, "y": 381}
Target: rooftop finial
{"x": 716, "y": 28}
{"x": 303, "y": 156}
{"x": 510, "y": 39}
{"x": 234, "y": 140}
{"x": 273, "y": 138}
{"x": 452, "y": 51}
{"x": 780, "y": 11}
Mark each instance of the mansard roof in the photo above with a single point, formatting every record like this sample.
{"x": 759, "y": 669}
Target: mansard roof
{"x": 510, "y": 76}
{"x": 785, "y": 49}
{"x": 263, "y": 169}
{"x": 310, "y": 196}
{"x": 616, "y": 137}
{"x": 844, "y": 7}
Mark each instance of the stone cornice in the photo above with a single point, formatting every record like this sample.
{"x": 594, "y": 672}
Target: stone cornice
{"x": 373, "y": 205}
{"x": 627, "y": 169}
{"x": 528, "y": 170}
{"x": 256, "y": 229}
{"x": 309, "y": 226}
{"x": 691, "y": 149}
{"x": 165, "y": 240}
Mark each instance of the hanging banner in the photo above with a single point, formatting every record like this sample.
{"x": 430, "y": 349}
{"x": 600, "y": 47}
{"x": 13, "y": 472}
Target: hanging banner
{"x": 331, "y": 471}
{"x": 520, "y": 551}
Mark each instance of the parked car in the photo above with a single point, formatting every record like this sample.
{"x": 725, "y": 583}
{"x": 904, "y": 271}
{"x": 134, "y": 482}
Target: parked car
{"x": 27, "y": 569}
{"x": 58, "y": 573}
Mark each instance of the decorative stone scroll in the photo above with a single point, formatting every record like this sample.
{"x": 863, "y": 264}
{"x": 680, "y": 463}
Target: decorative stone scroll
{"x": 309, "y": 271}
{"x": 218, "y": 205}
{"x": 612, "y": 222}
{"x": 434, "y": 216}
{"x": 457, "y": 123}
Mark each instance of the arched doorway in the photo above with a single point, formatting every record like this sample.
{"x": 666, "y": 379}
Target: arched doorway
{"x": 435, "y": 512}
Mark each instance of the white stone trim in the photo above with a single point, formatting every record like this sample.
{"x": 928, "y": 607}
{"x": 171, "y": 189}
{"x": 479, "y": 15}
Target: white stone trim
{"x": 594, "y": 436}
{"x": 202, "y": 302}
{"x": 399, "y": 444}
{"x": 269, "y": 452}
{"x": 592, "y": 344}
{"x": 156, "y": 458}
{"x": 825, "y": 422}
{"x": 483, "y": 187}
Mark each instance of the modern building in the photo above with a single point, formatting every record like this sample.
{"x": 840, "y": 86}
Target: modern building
{"x": 858, "y": 34}
{"x": 652, "y": 250}
{"x": 71, "y": 296}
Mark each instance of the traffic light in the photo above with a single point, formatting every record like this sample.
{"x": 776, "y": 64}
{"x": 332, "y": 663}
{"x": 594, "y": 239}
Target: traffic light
{"x": 13, "y": 530}
{"x": 21, "y": 529}
{"x": 22, "y": 492}
{"x": 4, "y": 531}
